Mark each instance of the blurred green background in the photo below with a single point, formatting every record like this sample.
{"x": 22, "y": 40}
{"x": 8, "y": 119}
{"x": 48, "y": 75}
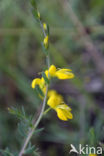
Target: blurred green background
{"x": 21, "y": 59}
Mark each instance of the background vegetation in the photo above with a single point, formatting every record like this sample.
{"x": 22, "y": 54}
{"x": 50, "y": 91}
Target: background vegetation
{"x": 76, "y": 42}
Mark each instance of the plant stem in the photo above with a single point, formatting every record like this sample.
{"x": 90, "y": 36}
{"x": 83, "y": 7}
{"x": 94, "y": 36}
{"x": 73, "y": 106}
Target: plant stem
{"x": 31, "y": 132}
{"x": 46, "y": 111}
{"x": 35, "y": 124}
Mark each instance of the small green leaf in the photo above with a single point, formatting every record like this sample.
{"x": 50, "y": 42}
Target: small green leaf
{"x": 22, "y": 129}
{"x": 45, "y": 77}
{"x": 38, "y": 130}
{"x": 6, "y": 152}
{"x": 39, "y": 91}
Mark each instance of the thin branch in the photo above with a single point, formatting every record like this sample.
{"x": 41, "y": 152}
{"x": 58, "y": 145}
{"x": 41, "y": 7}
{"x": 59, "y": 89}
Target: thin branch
{"x": 35, "y": 123}
{"x": 31, "y": 132}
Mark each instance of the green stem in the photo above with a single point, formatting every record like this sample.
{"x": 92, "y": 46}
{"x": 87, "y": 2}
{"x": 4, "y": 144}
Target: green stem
{"x": 31, "y": 132}
{"x": 35, "y": 124}
{"x": 46, "y": 111}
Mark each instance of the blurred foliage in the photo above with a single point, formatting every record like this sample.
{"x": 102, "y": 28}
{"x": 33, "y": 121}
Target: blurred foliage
{"x": 21, "y": 58}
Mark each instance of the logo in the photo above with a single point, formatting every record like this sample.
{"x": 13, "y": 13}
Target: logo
{"x": 73, "y": 149}
{"x": 85, "y": 149}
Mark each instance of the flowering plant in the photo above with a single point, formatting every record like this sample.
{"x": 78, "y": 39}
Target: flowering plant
{"x": 49, "y": 96}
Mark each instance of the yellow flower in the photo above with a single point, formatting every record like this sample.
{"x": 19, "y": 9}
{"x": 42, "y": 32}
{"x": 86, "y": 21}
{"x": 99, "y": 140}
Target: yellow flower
{"x": 92, "y": 154}
{"x": 40, "y": 82}
{"x": 60, "y": 73}
{"x": 35, "y": 82}
{"x": 64, "y": 112}
{"x": 52, "y": 72}
{"x": 56, "y": 102}
{"x": 46, "y": 41}
{"x": 45, "y": 26}
{"x": 64, "y": 74}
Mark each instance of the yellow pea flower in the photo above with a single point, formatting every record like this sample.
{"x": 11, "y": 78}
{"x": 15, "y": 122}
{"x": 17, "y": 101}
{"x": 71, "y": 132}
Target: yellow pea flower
{"x": 64, "y": 112}
{"x": 53, "y": 72}
{"x": 46, "y": 41}
{"x": 39, "y": 82}
{"x": 50, "y": 72}
{"x": 56, "y": 102}
{"x": 35, "y": 82}
{"x": 60, "y": 73}
{"x": 64, "y": 74}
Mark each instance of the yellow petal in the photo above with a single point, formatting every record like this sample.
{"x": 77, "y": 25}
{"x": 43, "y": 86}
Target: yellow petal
{"x": 47, "y": 73}
{"x": 92, "y": 154}
{"x": 35, "y": 82}
{"x": 64, "y": 70}
{"x": 42, "y": 83}
{"x": 52, "y": 70}
{"x": 64, "y": 107}
{"x": 63, "y": 112}
{"x": 62, "y": 75}
{"x": 61, "y": 115}
{"x": 51, "y": 92}
{"x": 54, "y": 100}
{"x": 69, "y": 115}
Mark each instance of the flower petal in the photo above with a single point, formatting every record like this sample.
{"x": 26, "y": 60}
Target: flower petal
{"x": 66, "y": 110}
{"x": 51, "y": 92}
{"x": 64, "y": 107}
{"x": 61, "y": 115}
{"x": 54, "y": 100}
{"x": 35, "y": 82}
{"x": 62, "y": 75}
{"x": 64, "y": 70}
{"x": 69, "y": 115}
{"x": 64, "y": 114}
{"x": 52, "y": 70}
